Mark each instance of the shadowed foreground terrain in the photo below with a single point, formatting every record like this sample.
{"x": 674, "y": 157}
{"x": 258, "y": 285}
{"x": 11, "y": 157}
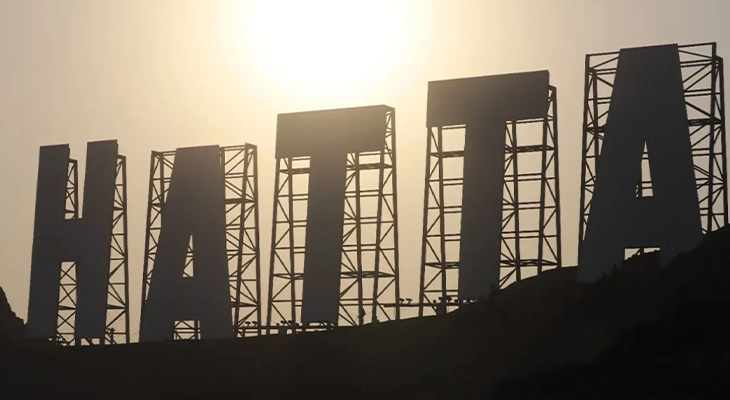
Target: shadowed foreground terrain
{"x": 11, "y": 327}
{"x": 639, "y": 333}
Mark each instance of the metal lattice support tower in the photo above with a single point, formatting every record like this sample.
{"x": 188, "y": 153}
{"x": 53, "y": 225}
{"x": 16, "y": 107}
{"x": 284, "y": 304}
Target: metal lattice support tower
{"x": 702, "y": 76}
{"x": 117, "y": 323}
{"x": 240, "y": 173}
{"x": 369, "y": 287}
{"x": 242, "y": 235}
{"x": 531, "y": 237}
{"x": 67, "y": 295}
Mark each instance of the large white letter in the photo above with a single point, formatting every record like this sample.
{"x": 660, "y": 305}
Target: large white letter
{"x": 327, "y": 137}
{"x": 647, "y": 107}
{"x": 195, "y": 207}
{"x": 484, "y": 105}
{"x": 87, "y": 241}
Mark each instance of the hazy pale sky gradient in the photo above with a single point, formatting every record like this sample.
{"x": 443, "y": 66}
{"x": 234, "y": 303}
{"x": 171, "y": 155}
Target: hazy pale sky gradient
{"x": 157, "y": 75}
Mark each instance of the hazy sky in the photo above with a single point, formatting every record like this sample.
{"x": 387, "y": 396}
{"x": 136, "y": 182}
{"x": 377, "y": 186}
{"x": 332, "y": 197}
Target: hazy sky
{"x": 157, "y": 75}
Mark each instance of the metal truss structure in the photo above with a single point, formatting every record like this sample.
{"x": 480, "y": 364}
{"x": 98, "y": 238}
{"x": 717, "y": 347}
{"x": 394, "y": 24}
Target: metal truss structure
{"x": 702, "y": 76}
{"x": 117, "y": 322}
{"x": 531, "y": 237}
{"x": 369, "y": 287}
{"x": 239, "y": 165}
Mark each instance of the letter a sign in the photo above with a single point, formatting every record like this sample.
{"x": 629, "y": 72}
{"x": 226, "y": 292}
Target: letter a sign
{"x": 647, "y": 108}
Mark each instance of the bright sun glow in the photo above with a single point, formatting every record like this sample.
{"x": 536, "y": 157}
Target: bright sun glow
{"x": 317, "y": 48}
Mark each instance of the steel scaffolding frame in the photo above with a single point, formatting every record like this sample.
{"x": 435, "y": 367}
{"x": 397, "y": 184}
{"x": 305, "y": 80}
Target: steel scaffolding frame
{"x": 369, "y": 273}
{"x": 239, "y": 165}
{"x": 522, "y": 236}
{"x": 65, "y": 327}
{"x": 703, "y": 80}
{"x": 117, "y": 322}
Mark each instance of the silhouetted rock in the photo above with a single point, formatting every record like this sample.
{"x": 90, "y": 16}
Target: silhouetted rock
{"x": 11, "y": 327}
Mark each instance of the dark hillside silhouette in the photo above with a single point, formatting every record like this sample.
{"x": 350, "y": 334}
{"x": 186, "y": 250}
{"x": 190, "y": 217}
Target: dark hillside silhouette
{"x": 680, "y": 350}
{"x": 639, "y": 332}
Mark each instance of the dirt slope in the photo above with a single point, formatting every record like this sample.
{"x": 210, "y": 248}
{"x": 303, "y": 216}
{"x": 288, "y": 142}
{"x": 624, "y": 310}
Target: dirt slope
{"x": 638, "y": 332}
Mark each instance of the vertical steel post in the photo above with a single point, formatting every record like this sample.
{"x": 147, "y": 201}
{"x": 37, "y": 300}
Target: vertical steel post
{"x": 424, "y": 243}
{"x": 516, "y": 195}
{"x": 272, "y": 251}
